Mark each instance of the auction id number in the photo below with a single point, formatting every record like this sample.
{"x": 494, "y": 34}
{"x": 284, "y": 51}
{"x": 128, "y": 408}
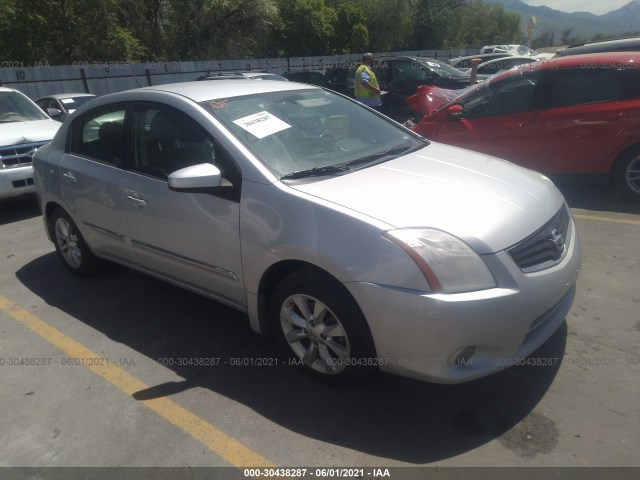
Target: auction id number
{"x": 302, "y": 472}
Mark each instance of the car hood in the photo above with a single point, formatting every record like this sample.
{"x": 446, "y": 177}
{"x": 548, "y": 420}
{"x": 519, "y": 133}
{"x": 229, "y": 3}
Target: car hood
{"x": 15, "y": 133}
{"x": 490, "y": 203}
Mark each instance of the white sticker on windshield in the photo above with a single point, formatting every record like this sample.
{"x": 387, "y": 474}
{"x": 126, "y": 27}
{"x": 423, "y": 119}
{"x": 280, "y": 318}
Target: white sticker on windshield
{"x": 67, "y": 100}
{"x": 262, "y": 124}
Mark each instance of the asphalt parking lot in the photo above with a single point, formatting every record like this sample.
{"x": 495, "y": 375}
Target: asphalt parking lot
{"x": 100, "y": 372}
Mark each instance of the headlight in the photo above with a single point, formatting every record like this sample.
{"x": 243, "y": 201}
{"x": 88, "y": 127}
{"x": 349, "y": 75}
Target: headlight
{"x": 448, "y": 264}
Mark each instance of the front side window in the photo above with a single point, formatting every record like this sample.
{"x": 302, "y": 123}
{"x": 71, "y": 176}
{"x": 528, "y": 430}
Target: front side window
{"x": 100, "y": 135}
{"x": 513, "y": 94}
{"x": 311, "y": 132}
{"x": 167, "y": 140}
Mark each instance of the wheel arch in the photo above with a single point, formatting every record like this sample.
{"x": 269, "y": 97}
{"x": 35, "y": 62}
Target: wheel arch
{"x": 278, "y": 271}
{"x": 48, "y": 210}
{"x": 616, "y": 173}
{"x": 630, "y": 150}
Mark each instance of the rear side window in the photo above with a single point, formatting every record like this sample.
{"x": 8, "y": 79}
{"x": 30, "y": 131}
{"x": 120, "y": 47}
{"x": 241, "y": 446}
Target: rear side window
{"x": 100, "y": 135}
{"x": 583, "y": 86}
{"x": 631, "y": 79}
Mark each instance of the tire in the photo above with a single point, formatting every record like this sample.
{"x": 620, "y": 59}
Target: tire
{"x": 322, "y": 327}
{"x": 627, "y": 174}
{"x": 71, "y": 246}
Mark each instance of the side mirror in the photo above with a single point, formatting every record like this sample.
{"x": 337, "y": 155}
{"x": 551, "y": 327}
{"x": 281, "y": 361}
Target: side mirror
{"x": 196, "y": 178}
{"x": 54, "y": 112}
{"x": 454, "y": 112}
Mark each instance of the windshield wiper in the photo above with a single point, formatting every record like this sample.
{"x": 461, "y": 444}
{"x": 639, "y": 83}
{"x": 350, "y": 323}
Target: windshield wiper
{"x": 316, "y": 172}
{"x": 377, "y": 156}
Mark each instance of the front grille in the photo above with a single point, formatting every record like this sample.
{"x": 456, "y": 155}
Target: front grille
{"x": 18, "y": 155}
{"x": 544, "y": 247}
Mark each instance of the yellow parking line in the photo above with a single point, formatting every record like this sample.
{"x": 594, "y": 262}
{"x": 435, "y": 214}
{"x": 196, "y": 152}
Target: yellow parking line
{"x": 604, "y": 219}
{"x": 226, "y": 447}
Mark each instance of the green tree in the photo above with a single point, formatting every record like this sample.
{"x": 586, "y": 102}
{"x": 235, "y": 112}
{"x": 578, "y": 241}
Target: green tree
{"x": 208, "y": 29}
{"x": 390, "y": 23}
{"x": 545, "y": 39}
{"x": 483, "y": 24}
{"x": 351, "y": 33}
{"x": 144, "y": 19}
{"x": 433, "y": 18}
{"x": 307, "y": 27}
{"x": 66, "y": 31}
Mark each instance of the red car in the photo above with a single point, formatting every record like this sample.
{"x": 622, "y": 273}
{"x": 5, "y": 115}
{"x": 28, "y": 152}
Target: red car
{"x": 567, "y": 115}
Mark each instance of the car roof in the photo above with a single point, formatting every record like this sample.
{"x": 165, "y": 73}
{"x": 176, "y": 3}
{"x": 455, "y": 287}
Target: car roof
{"x": 202, "y": 91}
{"x": 584, "y": 61}
{"x": 603, "y": 46}
{"x": 235, "y": 74}
{"x": 67, "y": 95}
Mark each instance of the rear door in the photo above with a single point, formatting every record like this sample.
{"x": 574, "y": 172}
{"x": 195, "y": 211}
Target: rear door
{"x": 591, "y": 115}
{"x": 94, "y": 181}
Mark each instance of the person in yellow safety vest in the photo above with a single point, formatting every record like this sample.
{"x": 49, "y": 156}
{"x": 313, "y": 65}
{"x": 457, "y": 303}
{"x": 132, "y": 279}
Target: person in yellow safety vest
{"x": 366, "y": 88}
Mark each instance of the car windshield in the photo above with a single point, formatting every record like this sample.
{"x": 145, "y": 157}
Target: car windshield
{"x": 70, "y": 104}
{"x": 311, "y": 133}
{"x": 441, "y": 68}
{"x": 16, "y": 108}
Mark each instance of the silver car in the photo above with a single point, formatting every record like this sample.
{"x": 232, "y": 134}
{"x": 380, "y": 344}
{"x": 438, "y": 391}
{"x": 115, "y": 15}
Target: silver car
{"x": 359, "y": 244}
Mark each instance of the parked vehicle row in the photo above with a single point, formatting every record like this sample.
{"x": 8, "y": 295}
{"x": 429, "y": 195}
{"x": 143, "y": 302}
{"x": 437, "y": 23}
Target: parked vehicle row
{"x": 567, "y": 115}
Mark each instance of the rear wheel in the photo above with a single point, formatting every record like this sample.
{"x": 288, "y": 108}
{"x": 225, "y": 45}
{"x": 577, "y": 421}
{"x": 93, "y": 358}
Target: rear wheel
{"x": 627, "y": 173}
{"x": 70, "y": 245}
{"x": 321, "y": 325}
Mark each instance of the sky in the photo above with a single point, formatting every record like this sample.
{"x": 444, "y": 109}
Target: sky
{"x": 593, "y": 6}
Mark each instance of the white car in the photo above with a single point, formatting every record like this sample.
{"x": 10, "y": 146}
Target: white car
{"x": 61, "y": 105}
{"x": 23, "y": 129}
{"x": 360, "y": 244}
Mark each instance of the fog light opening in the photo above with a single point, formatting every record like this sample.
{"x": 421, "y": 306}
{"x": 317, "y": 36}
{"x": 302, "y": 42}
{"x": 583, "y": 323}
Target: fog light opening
{"x": 464, "y": 357}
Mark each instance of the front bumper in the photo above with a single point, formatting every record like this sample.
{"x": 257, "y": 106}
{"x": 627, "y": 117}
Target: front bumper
{"x": 421, "y": 335}
{"x": 16, "y": 181}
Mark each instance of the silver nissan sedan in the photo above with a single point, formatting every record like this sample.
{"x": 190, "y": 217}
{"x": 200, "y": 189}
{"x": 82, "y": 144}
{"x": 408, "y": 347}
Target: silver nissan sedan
{"x": 360, "y": 245}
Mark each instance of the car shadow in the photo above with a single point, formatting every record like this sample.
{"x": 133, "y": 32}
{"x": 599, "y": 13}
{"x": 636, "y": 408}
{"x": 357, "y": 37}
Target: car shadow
{"x": 388, "y": 416}
{"x": 17, "y": 209}
{"x": 594, "y": 194}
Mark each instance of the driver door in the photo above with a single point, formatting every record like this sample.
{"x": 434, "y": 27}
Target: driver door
{"x": 190, "y": 238}
{"x": 499, "y": 120}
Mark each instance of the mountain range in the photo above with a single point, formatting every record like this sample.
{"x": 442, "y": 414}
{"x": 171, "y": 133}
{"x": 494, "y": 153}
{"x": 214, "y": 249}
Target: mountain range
{"x": 585, "y": 25}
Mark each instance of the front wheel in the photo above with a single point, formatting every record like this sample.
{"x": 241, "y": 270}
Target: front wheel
{"x": 319, "y": 322}
{"x": 70, "y": 245}
{"x": 627, "y": 174}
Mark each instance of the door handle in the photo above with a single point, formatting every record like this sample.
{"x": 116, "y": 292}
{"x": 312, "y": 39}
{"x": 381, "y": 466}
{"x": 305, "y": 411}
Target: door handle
{"x": 137, "y": 202}
{"x": 69, "y": 177}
